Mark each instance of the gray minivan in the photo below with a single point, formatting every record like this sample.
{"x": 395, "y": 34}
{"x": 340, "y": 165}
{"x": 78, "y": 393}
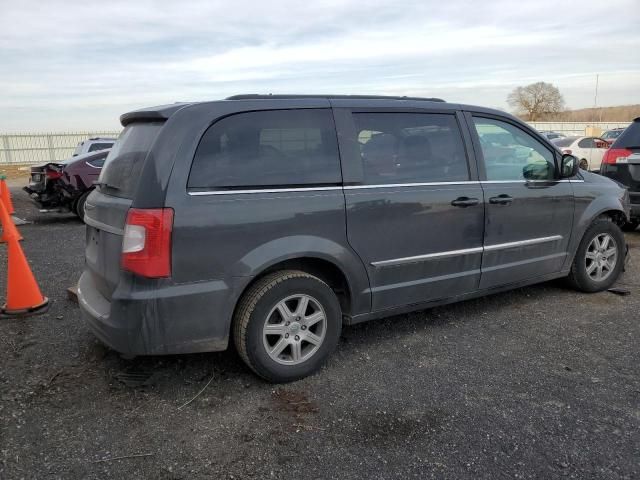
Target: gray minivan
{"x": 274, "y": 220}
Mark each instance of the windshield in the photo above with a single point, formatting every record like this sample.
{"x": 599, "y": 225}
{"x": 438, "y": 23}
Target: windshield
{"x": 611, "y": 134}
{"x": 564, "y": 142}
{"x": 123, "y": 166}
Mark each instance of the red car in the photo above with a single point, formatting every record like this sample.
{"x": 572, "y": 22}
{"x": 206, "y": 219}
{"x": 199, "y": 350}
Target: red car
{"x": 65, "y": 186}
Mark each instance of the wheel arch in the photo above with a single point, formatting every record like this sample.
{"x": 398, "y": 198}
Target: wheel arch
{"x": 333, "y": 262}
{"x": 326, "y": 270}
{"x": 602, "y": 207}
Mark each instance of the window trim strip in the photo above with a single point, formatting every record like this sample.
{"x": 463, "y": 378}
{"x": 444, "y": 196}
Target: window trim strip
{"x": 262, "y": 190}
{"x": 361, "y": 187}
{"x": 419, "y": 184}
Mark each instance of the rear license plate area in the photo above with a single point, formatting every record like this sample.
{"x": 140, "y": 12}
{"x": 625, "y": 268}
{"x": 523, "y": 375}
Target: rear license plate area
{"x": 92, "y": 246}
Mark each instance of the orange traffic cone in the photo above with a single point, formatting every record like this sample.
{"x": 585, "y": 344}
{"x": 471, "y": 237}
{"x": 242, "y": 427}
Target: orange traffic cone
{"x": 3, "y": 237}
{"x": 5, "y": 195}
{"x": 23, "y": 293}
{"x": 8, "y": 229}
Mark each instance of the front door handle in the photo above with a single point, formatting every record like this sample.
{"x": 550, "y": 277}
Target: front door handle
{"x": 501, "y": 200}
{"x": 465, "y": 202}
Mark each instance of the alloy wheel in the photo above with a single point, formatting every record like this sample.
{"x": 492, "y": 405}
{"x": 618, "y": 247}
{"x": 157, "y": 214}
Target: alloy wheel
{"x": 294, "y": 329}
{"x": 601, "y": 257}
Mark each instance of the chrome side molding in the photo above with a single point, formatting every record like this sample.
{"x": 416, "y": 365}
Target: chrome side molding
{"x": 466, "y": 251}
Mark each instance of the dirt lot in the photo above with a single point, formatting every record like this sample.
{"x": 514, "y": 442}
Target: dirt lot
{"x": 541, "y": 382}
{"x": 16, "y": 174}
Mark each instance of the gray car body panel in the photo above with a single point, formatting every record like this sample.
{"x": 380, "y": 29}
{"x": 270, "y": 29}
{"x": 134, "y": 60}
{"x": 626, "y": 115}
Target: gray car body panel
{"x": 222, "y": 242}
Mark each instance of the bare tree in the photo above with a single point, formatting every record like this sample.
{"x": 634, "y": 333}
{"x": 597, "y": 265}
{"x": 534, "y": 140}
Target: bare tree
{"x": 536, "y": 99}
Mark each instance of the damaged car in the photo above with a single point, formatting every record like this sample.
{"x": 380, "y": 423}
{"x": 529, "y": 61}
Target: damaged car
{"x": 65, "y": 186}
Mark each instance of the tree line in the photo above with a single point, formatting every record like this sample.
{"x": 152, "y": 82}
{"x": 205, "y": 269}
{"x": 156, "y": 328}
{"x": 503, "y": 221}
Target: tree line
{"x": 543, "y": 101}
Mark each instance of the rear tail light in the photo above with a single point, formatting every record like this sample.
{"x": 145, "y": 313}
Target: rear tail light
{"x": 566, "y": 151}
{"x": 146, "y": 246}
{"x": 612, "y": 155}
{"x": 53, "y": 174}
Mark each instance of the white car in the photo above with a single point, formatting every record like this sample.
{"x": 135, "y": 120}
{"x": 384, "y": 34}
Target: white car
{"x": 589, "y": 150}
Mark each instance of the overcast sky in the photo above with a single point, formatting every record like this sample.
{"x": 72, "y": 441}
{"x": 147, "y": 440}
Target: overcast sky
{"x": 79, "y": 65}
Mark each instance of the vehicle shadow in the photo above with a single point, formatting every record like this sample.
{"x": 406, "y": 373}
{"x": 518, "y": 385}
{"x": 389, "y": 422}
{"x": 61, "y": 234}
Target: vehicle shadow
{"x": 54, "y": 219}
{"x": 27, "y": 210}
{"x": 227, "y": 365}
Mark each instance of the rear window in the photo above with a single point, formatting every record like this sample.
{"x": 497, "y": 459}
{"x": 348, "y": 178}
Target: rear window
{"x": 271, "y": 148}
{"x": 630, "y": 138}
{"x": 586, "y": 143}
{"x": 100, "y": 146}
{"x": 122, "y": 167}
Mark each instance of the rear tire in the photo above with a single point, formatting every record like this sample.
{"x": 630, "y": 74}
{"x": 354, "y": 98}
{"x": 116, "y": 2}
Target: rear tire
{"x": 599, "y": 258}
{"x": 78, "y": 208}
{"x": 630, "y": 226}
{"x": 286, "y": 325}
{"x": 584, "y": 165}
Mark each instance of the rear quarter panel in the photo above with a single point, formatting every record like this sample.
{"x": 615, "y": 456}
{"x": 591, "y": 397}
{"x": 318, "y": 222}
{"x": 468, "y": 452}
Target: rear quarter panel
{"x": 234, "y": 237}
{"x": 241, "y": 235}
{"x": 81, "y": 175}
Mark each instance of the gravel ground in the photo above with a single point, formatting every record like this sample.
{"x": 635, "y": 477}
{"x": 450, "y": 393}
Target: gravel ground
{"x": 540, "y": 382}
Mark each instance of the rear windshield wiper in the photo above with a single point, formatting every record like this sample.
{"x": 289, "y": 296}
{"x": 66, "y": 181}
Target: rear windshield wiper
{"x": 105, "y": 185}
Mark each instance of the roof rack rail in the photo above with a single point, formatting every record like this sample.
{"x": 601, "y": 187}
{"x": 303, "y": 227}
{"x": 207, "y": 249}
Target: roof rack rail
{"x": 256, "y": 96}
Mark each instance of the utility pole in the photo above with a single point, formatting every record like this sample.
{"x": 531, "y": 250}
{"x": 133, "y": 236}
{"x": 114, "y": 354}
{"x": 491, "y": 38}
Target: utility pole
{"x": 595, "y": 99}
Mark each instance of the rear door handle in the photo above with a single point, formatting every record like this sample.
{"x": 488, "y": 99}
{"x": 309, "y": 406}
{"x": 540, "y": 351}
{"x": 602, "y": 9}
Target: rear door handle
{"x": 465, "y": 202}
{"x": 501, "y": 200}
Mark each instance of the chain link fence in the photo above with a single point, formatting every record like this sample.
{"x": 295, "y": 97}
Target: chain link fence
{"x": 28, "y": 148}
{"x": 577, "y": 129}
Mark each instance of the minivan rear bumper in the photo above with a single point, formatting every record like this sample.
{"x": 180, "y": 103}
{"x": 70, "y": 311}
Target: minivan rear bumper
{"x": 170, "y": 320}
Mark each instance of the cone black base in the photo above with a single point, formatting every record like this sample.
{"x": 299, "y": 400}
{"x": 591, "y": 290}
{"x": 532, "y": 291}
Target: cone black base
{"x": 27, "y": 312}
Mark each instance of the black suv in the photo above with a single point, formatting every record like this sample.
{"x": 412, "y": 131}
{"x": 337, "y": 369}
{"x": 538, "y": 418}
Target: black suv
{"x": 622, "y": 163}
{"x": 274, "y": 220}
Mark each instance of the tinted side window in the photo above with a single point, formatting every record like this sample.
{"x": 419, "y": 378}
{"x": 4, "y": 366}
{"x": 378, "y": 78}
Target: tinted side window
{"x": 510, "y": 153}
{"x": 268, "y": 149}
{"x": 410, "y": 148}
{"x": 99, "y": 146}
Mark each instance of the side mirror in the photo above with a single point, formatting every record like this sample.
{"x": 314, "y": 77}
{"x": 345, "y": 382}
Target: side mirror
{"x": 569, "y": 166}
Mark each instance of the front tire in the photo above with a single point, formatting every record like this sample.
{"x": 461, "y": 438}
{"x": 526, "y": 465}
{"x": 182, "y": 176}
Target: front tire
{"x": 599, "y": 258}
{"x": 286, "y": 325}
